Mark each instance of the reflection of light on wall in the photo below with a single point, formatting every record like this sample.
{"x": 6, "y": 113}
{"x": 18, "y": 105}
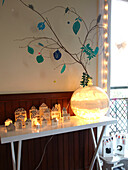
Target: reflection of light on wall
{"x": 106, "y": 45}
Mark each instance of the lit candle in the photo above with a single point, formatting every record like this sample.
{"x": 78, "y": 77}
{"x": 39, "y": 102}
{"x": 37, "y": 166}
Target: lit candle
{"x": 37, "y": 125}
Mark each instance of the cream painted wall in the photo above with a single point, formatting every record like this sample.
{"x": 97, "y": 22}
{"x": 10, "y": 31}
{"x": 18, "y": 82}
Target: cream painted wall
{"x": 19, "y": 71}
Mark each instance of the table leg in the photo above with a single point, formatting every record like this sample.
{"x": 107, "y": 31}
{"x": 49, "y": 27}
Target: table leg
{"x": 19, "y": 154}
{"x": 97, "y": 148}
{"x": 94, "y": 140}
{"x": 13, "y": 156}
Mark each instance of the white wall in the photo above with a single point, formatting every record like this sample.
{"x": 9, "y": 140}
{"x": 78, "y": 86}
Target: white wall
{"x": 19, "y": 71}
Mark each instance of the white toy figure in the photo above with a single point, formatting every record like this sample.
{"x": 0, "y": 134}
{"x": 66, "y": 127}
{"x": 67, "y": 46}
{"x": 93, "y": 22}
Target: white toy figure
{"x": 120, "y": 144}
{"x": 107, "y": 146}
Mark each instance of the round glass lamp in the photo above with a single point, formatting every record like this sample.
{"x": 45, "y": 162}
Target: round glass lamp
{"x": 90, "y": 102}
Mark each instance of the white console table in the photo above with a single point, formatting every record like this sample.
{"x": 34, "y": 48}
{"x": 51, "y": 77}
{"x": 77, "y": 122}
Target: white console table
{"x": 75, "y": 124}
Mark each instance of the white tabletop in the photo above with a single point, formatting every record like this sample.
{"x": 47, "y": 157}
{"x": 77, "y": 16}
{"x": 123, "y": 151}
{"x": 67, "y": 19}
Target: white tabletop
{"x": 75, "y": 124}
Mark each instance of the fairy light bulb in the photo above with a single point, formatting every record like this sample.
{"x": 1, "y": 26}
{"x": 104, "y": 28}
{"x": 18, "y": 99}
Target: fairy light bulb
{"x": 105, "y": 16}
{"x": 106, "y": 35}
{"x": 106, "y": 7}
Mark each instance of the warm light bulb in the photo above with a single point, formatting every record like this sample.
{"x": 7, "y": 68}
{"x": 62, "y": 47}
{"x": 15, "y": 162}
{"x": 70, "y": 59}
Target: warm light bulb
{"x": 105, "y": 16}
{"x": 106, "y": 7}
{"x": 106, "y": 35}
{"x": 105, "y": 62}
{"x": 106, "y": 44}
{"x": 105, "y": 26}
{"x": 107, "y": 54}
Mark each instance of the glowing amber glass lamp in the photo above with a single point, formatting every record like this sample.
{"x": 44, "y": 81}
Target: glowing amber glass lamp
{"x": 90, "y": 102}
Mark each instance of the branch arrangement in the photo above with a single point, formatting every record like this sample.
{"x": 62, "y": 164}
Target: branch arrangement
{"x": 85, "y": 54}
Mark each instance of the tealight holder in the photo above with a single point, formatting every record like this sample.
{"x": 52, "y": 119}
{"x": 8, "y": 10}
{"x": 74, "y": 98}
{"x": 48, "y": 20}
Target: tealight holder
{"x": 37, "y": 126}
{"x": 54, "y": 122}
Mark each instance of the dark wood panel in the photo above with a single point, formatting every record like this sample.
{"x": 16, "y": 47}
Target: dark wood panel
{"x": 70, "y": 151}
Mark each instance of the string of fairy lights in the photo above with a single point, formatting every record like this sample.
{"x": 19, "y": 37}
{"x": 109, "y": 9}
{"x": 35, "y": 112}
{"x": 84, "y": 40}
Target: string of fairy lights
{"x": 106, "y": 45}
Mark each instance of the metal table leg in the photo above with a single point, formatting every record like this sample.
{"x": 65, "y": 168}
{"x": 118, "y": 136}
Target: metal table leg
{"x": 18, "y": 156}
{"x": 94, "y": 140}
{"x": 96, "y": 149}
{"x": 13, "y": 156}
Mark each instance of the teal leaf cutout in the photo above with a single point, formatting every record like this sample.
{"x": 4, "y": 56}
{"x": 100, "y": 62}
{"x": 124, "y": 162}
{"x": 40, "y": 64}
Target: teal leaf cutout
{"x": 63, "y": 68}
{"x": 40, "y": 44}
{"x": 89, "y": 51}
{"x": 85, "y": 79}
{"x": 39, "y": 58}
{"x": 30, "y": 50}
{"x": 76, "y": 27}
{"x": 96, "y": 50}
{"x": 66, "y": 10}
{"x": 78, "y": 19}
{"x": 3, "y": 2}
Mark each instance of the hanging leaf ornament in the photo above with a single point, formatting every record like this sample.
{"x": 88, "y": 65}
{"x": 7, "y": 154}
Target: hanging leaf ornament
{"x": 76, "y": 27}
{"x": 40, "y": 58}
{"x": 98, "y": 18}
{"x": 40, "y": 44}
{"x": 57, "y": 55}
{"x": 66, "y": 10}
{"x": 41, "y": 25}
{"x": 30, "y": 50}
{"x": 3, "y": 2}
{"x": 63, "y": 68}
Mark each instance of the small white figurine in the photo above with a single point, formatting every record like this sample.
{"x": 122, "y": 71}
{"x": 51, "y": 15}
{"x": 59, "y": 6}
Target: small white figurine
{"x": 18, "y": 124}
{"x": 44, "y": 122}
{"x": 10, "y": 127}
{"x": 66, "y": 116}
{"x": 54, "y": 122}
{"x": 28, "y": 123}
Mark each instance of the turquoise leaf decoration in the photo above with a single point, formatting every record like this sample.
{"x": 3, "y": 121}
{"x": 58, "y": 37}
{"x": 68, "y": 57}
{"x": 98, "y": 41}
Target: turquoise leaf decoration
{"x": 40, "y": 44}
{"x": 39, "y": 58}
{"x": 96, "y": 50}
{"x": 76, "y": 27}
{"x": 89, "y": 51}
{"x": 3, "y": 2}
{"x": 30, "y": 50}
{"x": 78, "y": 19}
{"x": 63, "y": 68}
